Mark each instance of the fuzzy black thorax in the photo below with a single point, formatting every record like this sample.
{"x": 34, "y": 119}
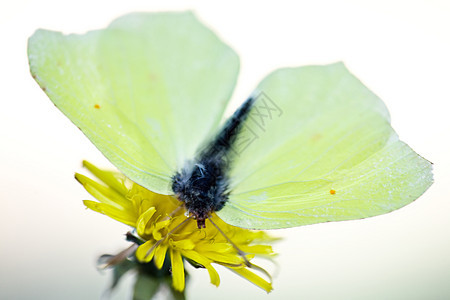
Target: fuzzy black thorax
{"x": 203, "y": 184}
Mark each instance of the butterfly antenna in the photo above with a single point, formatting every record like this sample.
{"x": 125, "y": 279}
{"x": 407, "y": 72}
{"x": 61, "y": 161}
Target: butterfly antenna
{"x": 112, "y": 260}
{"x": 240, "y": 252}
{"x": 166, "y": 236}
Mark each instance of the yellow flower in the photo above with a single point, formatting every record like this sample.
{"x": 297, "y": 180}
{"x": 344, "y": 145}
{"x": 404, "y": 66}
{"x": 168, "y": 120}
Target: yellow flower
{"x": 161, "y": 222}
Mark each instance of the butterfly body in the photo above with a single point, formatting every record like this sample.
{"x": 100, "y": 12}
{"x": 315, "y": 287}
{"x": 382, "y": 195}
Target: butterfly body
{"x": 203, "y": 184}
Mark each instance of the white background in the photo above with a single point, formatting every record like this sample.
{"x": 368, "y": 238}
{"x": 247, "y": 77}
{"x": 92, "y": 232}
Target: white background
{"x": 399, "y": 49}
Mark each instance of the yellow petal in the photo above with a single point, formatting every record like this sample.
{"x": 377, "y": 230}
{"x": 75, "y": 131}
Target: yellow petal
{"x": 183, "y": 244}
{"x": 142, "y": 253}
{"x": 158, "y": 226}
{"x": 253, "y": 278}
{"x": 160, "y": 255}
{"x": 112, "y": 212}
{"x": 213, "y": 275}
{"x": 230, "y": 259}
{"x": 258, "y": 249}
{"x": 178, "y": 280}
{"x": 216, "y": 247}
{"x": 264, "y": 236}
{"x": 103, "y": 193}
{"x": 108, "y": 177}
{"x": 141, "y": 224}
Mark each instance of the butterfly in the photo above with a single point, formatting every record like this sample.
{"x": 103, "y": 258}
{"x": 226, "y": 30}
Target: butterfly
{"x": 311, "y": 144}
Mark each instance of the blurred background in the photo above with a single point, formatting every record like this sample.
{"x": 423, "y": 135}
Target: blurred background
{"x": 399, "y": 49}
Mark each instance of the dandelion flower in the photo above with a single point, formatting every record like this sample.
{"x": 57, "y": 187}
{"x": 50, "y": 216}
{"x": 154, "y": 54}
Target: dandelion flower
{"x": 162, "y": 226}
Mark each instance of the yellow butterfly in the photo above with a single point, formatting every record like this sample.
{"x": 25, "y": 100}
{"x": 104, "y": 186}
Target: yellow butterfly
{"x": 311, "y": 144}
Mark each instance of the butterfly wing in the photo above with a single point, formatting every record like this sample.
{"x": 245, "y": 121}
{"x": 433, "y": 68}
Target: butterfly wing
{"x": 146, "y": 91}
{"x": 318, "y": 147}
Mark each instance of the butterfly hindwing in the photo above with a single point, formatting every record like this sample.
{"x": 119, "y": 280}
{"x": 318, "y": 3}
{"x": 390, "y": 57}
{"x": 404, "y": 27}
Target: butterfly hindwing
{"x": 318, "y": 147}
